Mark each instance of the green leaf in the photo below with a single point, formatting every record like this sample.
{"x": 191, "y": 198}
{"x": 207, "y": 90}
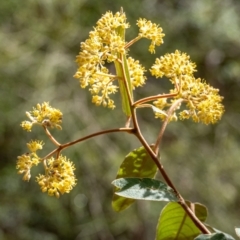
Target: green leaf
{"x": 139, "y": 164}
{"x": 200, "y": 210}
{"x": 144, "y": 189}
{"x": 214, "y": 236}
{"x": 174, "y": 222}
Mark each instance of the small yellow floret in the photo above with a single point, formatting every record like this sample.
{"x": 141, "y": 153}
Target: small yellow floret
{"x": 26, "y": 125}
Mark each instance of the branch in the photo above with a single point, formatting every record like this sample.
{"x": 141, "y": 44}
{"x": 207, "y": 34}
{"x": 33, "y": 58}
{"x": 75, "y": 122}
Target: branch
{"x": 50, "y": 136}
{"x": 152, "y": 98}
{"x": 62, "y": 146}
{"x": 154, "y": 157}
{"x": 164, "y": 125}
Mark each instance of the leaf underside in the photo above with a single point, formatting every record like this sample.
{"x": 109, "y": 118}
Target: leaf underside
{"x": 144, "y": 189}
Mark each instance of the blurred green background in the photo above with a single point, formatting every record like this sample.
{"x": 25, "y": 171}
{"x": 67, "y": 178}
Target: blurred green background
{"x": 38, "y": 44}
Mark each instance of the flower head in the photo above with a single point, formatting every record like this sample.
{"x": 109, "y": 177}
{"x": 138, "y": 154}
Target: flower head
{"x": 43, "y": 114}
{"x": 108, "y": 24}
{"x": 35, "y": 145}
{"x": 59, "y": 177}
{"x": 173, "y": 65}
{"x": 151, "y": 31}
{"x": 203, "y": 102}
{"x": 136, "y": 72}
{"x": 24, "y": 164}
{"x": 26, "y": 161}
{"x": 103, "y": 45}
{"x": 27, "y": 125}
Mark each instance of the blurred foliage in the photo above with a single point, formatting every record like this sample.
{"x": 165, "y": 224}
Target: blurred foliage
{"x": 38, "y": 44}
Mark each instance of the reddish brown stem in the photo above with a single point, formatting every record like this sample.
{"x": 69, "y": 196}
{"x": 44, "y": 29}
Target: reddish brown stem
{"x": 51, "y": 137}
{"x": 152, "y": 98}
{"x": 154, "y": 157}
{"x": 61, "y": 147}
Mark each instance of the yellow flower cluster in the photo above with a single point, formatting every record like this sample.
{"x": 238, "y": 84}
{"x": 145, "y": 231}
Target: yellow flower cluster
{"x": 173, "y": 66}
{"x": 44, "y": 115}
{"x": 26, "y": 161}
{"x": 136, "y": 72}
{"x": 59, "y": 177}
{"x": 59, "y": 173}
{"x": 203, "y": 101}
{"x": 151, "y": 31}
{"x": 105, "y": 44}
